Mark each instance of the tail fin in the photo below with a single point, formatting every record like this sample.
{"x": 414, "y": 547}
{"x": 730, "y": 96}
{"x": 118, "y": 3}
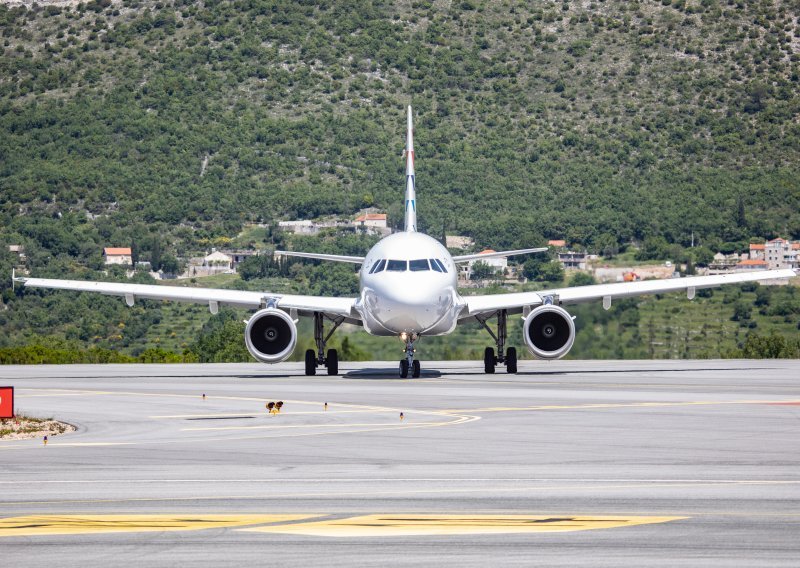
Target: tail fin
{"x": 411, "y": 194}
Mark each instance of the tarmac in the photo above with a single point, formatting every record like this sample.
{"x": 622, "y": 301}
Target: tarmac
{"x": 600, "y": 463}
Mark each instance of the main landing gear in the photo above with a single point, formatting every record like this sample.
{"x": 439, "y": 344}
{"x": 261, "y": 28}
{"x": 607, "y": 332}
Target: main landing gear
{"x": 506, "y": 356}
{"x": 408, "y": 363}
{"x": 320, "y": 358}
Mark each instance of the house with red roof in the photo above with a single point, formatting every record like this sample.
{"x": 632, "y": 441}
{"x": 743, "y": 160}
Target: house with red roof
{"x": 118, "y": 255}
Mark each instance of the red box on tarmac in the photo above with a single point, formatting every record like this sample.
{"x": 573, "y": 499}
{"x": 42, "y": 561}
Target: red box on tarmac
{"x": 6, "y": 402}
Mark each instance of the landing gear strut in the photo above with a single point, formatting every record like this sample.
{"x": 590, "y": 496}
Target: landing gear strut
{"x": 506, "y": 356}
{"x": 320, "y": 358}
{"x": 408, "y": 363}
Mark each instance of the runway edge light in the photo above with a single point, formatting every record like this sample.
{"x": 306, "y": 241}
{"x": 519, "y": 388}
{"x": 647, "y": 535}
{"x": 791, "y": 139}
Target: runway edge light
{"x": 6, "y": 402}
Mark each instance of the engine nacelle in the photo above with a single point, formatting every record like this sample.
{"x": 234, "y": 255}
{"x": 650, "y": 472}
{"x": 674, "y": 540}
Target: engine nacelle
{"x": 549, "y": 332}
{"x": 270, "y": 335}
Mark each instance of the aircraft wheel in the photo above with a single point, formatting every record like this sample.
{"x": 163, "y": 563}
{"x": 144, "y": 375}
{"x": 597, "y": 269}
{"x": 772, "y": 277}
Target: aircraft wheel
{"x": 332, "y": 362}
{"x": 416, "y": 369}
{"x": 511, "y": 360}
{"x": 403, "y": 369}
{"x": 488, "y": 361}
{"x": 311, "y": 363}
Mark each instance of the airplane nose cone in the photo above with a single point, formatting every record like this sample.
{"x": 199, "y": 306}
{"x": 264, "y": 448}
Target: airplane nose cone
{"x": 409, "y": 308}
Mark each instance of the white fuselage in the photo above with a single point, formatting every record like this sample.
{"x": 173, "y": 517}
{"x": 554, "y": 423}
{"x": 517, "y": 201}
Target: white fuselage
{"x": 409, "y": 284}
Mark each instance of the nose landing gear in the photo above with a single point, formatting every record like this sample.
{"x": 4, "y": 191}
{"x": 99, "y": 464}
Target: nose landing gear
{"x": 408, "y": 363}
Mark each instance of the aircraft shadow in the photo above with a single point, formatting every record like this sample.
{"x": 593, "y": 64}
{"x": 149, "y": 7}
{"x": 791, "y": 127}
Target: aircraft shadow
{"x": 377, "y": 374}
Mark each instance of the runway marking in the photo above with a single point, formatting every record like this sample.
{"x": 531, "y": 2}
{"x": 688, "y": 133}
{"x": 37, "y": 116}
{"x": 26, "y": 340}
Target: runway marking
{"x": 37, "y": 525}
{"x": 619, "y": 405}
{"x": 433, "y": 525}
{"x": 288, "y": 426}
{"x": 363, "y": 494}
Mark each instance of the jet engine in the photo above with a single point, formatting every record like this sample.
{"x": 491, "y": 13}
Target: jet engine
{"x": 270, "y": 335}
{"x": 549, "y": 332}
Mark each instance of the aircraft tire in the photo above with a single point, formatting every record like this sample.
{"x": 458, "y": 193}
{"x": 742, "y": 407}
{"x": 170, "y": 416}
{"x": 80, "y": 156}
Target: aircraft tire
{"x": 403, "y": 368}
{"x": 416, "y": 369}
{"x": 511, "y": 360}
{"x": 488, "y": 361}
{"x": 311, "y": 363}
{"x": 332, "y": 362}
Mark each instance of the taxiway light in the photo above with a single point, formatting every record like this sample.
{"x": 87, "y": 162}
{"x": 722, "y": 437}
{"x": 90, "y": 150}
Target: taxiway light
{"x": 270, "y": 406}
{"x": 44, "y": 440}
{"x": 326, "y": 406}
{"x": 279, "y": 405}
{"x": 401, "y": 416}
{"x": 204, "y": 396}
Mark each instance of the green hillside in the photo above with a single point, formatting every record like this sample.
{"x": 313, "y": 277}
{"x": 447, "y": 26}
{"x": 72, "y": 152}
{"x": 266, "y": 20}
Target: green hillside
{"x": 170, "y": 125}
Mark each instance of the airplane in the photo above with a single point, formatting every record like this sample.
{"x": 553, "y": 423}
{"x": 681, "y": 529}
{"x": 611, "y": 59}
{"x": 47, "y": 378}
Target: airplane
{"x": 408, "y": 289}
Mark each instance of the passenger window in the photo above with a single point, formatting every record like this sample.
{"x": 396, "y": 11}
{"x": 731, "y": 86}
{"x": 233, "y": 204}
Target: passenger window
{"x": 419, "y": 265}
{"x": 378, "y": 266}
{"x": 397, "y": 265}
{"x": 435, "y": 265}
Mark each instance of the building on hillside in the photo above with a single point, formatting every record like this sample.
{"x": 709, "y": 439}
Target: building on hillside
{"x": 724, "y": 262}
{"x": 557, "y": 243}
{"x": 118, "y": 255}
{"x": 458, "y": 242}
{"x": 374, "y": 220}
{"x": 778, "y": 253}
{"x": 300, "y": 227}
{"x": 756, "y": 251}
{"x": 239, "y": 256}
{"x": 575, "y": 260}
{"x": 19, "y": 250}
{"x": 218, "y": 260}
{"x": 751, "y": 264}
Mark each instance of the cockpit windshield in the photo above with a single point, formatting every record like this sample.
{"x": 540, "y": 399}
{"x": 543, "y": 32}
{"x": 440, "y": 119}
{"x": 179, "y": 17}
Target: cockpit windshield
{"x": 418, "y": 265}
{"x": 397, "y": 265}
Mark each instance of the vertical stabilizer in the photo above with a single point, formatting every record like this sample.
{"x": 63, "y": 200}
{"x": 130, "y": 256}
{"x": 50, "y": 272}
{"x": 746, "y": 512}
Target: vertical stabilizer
{"x": 411, "y": 193}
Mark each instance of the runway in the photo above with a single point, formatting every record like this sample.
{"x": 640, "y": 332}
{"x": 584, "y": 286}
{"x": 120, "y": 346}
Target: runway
{"x": 631, "y": 463}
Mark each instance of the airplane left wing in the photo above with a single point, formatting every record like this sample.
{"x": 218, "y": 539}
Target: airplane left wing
{"x": 213, "y": 297}
{"x": 515, "y": 302}
{"x": 320, "y": 256}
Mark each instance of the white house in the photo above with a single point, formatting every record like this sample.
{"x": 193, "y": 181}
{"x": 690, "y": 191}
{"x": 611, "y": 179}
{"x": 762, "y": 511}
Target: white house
{"x": 118, "y": 255}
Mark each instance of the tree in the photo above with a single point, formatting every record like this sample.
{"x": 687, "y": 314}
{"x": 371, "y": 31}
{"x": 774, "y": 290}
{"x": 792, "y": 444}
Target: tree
{"x": 481, "y": 271}
{"x": 582, "y": 279}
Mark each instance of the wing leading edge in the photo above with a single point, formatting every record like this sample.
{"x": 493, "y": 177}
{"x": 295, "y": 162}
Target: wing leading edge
{"x": 515, "y": 302}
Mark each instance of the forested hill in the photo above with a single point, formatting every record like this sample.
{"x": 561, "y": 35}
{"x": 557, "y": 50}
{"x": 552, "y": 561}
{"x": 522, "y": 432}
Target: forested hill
{"x": 599, "y": 122}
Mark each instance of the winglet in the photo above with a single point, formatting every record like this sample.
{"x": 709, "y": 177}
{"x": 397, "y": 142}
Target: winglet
{"x": 15, "y": 278}
{"x": 411, "y": 186}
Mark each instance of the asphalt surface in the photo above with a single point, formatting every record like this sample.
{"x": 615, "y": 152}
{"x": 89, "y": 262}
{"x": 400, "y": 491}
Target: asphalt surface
{"x": 636, "y": 463}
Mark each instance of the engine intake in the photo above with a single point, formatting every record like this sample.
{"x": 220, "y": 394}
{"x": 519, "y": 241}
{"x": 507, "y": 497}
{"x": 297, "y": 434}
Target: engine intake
{"x": 549, "y": 332}
{"x": 270, "y": 335}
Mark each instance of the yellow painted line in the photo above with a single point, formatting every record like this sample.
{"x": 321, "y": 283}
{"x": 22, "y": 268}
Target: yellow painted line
{"x": 617, "y": 405}
{"x": 36, "y": 525}
{"x": 432, "y": 525}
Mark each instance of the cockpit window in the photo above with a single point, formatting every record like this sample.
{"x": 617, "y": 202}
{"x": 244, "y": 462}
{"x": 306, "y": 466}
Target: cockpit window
{"x": 440, "y": 263}
{"x": 397, "y": 265}
{"x": 435, "y": 265}
{"x": 378, "y": 266}
{"x": 418, "y": 265}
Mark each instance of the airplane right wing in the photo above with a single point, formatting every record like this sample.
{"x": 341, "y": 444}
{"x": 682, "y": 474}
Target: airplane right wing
{"x": 212, "y": 297}
{"x": 515, "y": 302}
